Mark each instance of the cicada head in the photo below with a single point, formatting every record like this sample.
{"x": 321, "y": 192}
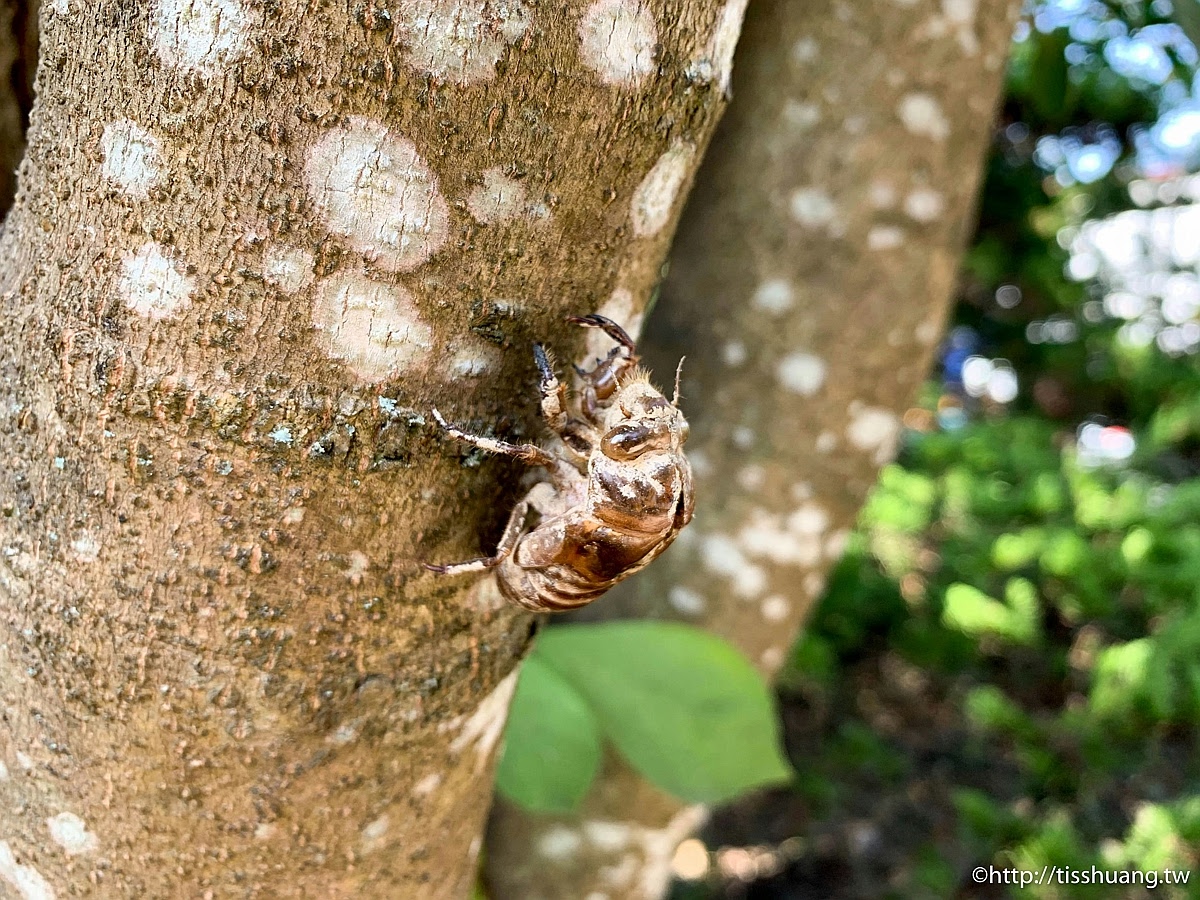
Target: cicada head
{"x": 641, "y": 420}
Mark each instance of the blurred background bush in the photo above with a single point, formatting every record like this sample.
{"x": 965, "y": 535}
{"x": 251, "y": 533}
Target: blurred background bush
{"x": 1005, "y": 669}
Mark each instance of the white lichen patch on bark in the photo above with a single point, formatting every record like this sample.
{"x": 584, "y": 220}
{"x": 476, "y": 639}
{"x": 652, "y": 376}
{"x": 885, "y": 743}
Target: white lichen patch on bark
{"x": 473, "y": 361}
{"x": 357, "y": 566}
{"x": 288, "y": 268}
{"x": 960, "y": 12}
{"x": 801, "y": 373}
{"x": 874, "y": 430}
{"x": 202, "y": 36}
{"x": 374, "y": 328}
{"x": 427, "y": 785}
{"x": 808, "y": 518}
{"x": 497, "y": 199}
{"x": 768, "y": 535}
{"x": 800, "y": 116}
{"x": 623, "y": 309}
{"x": 812, "y": 207}
{"x": 805, "y": 50}
{"x": 814, "y": 584}
{"x": 686, "y": 601}
{"x": 958, "y": 19}
{"x": 86, "y": 547}
{"x": 559, "y": 843}
{"x": 721, "y": 554}
{"x": 885, "y": 237}
{"x": 3, "y": 771}
{"x": 132, "y": 157}
{"x": 771, "y": 658}
{"x": 776, "y": 608}
{"x": 752, "y": 477}
{"x": 617, "y": 41}
{"x": 641, "y": 856}
{"x": 929, "y": 330}
{"x": 924, "y": 205}
{"x": 774, "y": 296}
{"x": 654, "y": 200}
{"x": 486, "y": 724}
{"x": 882, "y": 194}
{"x": 374, "y": 834}
{"x": 459, "y": 40}
{"x": 372, "y": 188}
{"x": 151, "y": 284}
{"x": 717, "y": 62}
{"x": 71, "y": 833}
{"x": 922, "y": 115}
{"x": 27, "y": 881}
{"x": 608, "y": 836}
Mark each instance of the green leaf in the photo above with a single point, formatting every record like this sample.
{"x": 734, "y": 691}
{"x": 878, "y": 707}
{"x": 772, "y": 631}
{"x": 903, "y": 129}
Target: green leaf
{"x": 813, "y": 660}
{"x": 1137, "y": 545}
{"x": 551, "y": 743}
{"x": 986, "y": 818}
{"x": 1018, "y": 549}
{"x": 971, "y": 611}
{"x": 988, "y": 708}
{"x": 1066, "y": 553}
{"x": 684, "y": 707}
{"x": 1119, "y": 677}
{"x": 1025, "y": 609}
{"x": 1153, "y": 841}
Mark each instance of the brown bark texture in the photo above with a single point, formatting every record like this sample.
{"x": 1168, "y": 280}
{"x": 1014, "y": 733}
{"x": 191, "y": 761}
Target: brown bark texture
{"x": 253, "y": 243}
{"x": 808, "y": 284}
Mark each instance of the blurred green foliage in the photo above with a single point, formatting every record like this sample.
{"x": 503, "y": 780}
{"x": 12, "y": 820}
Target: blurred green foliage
{"x": 1061, "y": 605}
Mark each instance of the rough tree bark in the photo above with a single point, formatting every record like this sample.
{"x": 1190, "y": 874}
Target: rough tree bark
{"x": 808, "y": 285}
{"x": 253, "y": 243}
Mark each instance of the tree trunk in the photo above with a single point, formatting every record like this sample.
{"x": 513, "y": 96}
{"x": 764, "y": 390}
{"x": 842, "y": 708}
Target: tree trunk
{"x": 253, "y": 244}
{"x": 808, "y": 285}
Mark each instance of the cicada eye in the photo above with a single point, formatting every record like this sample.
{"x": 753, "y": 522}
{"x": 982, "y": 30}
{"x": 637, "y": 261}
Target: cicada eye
{"x": 630, "y": 441}
{"x": 684, "y": 429}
